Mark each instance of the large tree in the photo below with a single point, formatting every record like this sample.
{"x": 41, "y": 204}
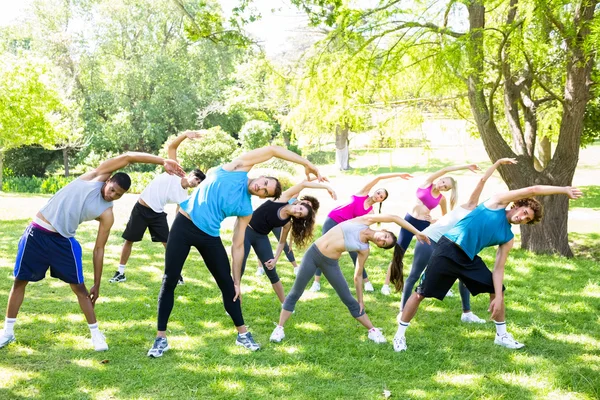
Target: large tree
{"x": 524, "y": 65}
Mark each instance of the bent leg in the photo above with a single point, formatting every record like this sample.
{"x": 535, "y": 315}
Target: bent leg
{"x": 15, "y": 298}
{"x": 85, "y": 303}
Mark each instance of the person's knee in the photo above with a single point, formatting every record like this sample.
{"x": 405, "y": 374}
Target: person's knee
{"x": 19, "y": 284}
{"x": 355, "y": 310}
{"x": 170, "y": 280}
{"x": 80, "y": 290}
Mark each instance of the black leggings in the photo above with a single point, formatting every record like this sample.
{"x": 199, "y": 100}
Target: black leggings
{"x": 262, "y": 248}
{"x": 184, "y": 234}
{"x": 286, "y": 249}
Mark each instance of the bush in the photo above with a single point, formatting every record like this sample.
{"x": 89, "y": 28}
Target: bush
{"x": 255, "y": 134}
{"x": 214, "y": 148}
{"x": 321, "y": 157}
{"x": 53, "y": 184}
{"x": 139, "y": 180}
{"x": 22, "y": 184}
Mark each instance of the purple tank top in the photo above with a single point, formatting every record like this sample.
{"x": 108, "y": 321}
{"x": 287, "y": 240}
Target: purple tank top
{"x": 428, "y": 200}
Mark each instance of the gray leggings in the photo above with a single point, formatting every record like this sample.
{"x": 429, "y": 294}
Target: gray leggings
{"x": 327, "y": 225}
{"x": 313, "y": 258}
{"x": 262, "y": 248}
{"x": 421, "y": 258}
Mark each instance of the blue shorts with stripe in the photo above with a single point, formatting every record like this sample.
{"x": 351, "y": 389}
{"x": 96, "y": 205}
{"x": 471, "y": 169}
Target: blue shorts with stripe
{"x": 40, "y": 249}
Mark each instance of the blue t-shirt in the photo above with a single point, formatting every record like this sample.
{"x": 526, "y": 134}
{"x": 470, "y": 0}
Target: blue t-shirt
{"x": 481, "y": 228}
{"x": 222, "y": 194}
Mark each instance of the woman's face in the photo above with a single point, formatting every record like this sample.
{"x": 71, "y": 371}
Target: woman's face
{"x": 379, "y": 196}
{"x": 443, "y": 185}
{"x": 299, "y": 210}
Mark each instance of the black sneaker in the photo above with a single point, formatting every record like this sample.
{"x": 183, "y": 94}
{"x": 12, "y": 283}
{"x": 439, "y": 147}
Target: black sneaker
{"x": 118, "y": 278}
{"x": 180, "y": 281}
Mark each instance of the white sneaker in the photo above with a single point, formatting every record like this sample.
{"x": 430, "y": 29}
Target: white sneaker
{"x": 508, "y": 341}
{"x": 316, "y": 286}
{"x": 385, "y": 289}
{"x": 260, "y": 271}
{"x": 369, "y": 287}
{"x": 5, "y": 339}
{"x": 296, "y": 269}
{"x": 277, "y": 335}
{"x": 471, "y": 318}
{"x": 450, "y": 293}
{"x": 99, "y": 341}
{"x": 376, "y": 335}
{"x": 399, "y": 343}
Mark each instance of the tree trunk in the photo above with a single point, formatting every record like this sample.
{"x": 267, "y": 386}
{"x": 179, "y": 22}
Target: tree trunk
{"x": 342, "y": 153}
{"x": 550, "y": 235}
{"x": 545, "y": 151}
{"x": 1, "y": 167}
{"x": 66, "y": 161}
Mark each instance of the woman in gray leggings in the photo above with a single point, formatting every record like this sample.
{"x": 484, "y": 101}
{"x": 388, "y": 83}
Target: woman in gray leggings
{"x": 351, "y": 235}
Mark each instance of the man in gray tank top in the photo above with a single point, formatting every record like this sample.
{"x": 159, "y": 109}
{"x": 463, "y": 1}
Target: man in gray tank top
{"x": 49, "y": 242}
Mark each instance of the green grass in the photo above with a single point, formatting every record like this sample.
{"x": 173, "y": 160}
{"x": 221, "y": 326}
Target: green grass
{"x": 553, "y": 306}
{"x": 590, "y": 199}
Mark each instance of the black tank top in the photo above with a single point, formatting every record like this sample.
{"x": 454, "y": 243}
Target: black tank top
{"x": 266, "y": 217}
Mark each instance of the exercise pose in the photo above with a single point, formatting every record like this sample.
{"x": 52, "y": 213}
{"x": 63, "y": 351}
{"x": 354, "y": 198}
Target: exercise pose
{"x": 352, "y": 235}
{"x": 49, "y": 241}
{"x": 225, "y": 192}
{"x": 455, "y": 256}
{"x": 360, "y": 204}
{"x": 149, "y": 210}
{"x": 429, "y": 196}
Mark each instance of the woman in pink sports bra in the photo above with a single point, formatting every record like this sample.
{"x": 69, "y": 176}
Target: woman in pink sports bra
{"x": 360, "y": 204}
{"x": 429, "y": 196}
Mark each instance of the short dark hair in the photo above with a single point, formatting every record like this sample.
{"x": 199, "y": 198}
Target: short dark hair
{"x": 277, "y": 192}
{"x": 313, "y": 202}
{"x": 121, "y": 179}
{"x": 536, "y": 207}
{"x": 199, "y": 174}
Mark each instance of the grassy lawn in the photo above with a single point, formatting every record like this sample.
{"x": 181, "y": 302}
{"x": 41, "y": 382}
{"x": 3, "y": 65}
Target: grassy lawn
{"x": 553, "y": 307}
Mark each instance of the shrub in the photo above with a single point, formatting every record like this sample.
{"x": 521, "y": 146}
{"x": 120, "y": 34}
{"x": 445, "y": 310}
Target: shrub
{"x": 22, "y": 184}
{"x": 53, "y": 184}
{"x": 321, "y": 157}
{"x": 214, "y": 148}
{"x": 255, "y": 134}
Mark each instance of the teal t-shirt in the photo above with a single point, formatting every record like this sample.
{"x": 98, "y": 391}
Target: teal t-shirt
{"x": 479, "y": 229}
{"x": 222, "y": 194}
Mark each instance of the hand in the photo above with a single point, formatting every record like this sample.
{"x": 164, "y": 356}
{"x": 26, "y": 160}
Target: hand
{"x": 311, "y": 169}
{"x": 473, "y": 167}
{"x": 427, "y": 218}
{"x": 496, "y": 307}
{"x": 271, "y": 263}
{"x": 362, "y": 307}
{"x": 405, "y": 176}
{"x": 94, "y": 294}
{"x": 332, "y": 193}
{"x": 573, "y": 192}
{"x": 172, "y": 168}
{"x": 423, "y": 238}
{"x": 507, "y": 160}
{"x": 193, "y": 134}
{"x": 238, "y": 292}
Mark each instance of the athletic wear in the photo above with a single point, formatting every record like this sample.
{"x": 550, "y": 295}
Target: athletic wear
{"x": 117, "y": 277}
{"x": 286, "y": 249}
{"x": 327, "y": 226}
{"x": 266, "y": 217}
{"x": 351, "y": 231}
{"x": 315, "y": 287}
{"x": 508, "y": 341}
{"x": 471, "y": 318}
{"x": 158, "y": 348}
{"x": 376, "y": 335}
{"x": 446, "y": 223}
{"x": 427, "y": 198}
{"x": 40, "y": 249}
{"x": 99, "y": 341}
{"x": 77, "y": 202}
{"x": 405, "y": 237}
{"x": 482, "y": 228}
{"x": 6, "y": 339}
{"x": 399, "y": 343}
{"x": 385, "y": 290}
{"x": 262, "y": 247}
{"x": 356, "y": 208}
{"x": 277, "y": 335}
{"x": 164, "y": 189}
{"x": 143, "y": 217}
{"x": 246, "y": 340}
{"x": 222, "y": 194}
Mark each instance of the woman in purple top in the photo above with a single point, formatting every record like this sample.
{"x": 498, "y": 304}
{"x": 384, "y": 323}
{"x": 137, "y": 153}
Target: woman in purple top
{"x": 360, "y": 204}
{"x": 429, "y": 196}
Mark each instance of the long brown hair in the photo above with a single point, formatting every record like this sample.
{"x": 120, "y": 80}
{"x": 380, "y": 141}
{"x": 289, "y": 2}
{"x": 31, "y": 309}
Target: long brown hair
{"x": 302, "y": 228}
{"x": 396, "y": 272}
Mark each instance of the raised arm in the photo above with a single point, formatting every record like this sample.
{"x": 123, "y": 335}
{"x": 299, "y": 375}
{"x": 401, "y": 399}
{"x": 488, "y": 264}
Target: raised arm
{"x": 106, "y": 222}
{"x": 371, "y": 219}
{"x": 295, "y": 190}
{"x": 105, "y": 170}
{"x": 237, "y": 252}
{"x": 446, "y": 170}
{"x": 474, "y": 199}
{"x": 367, "y": 188}
{"x": 501, "y": 200}
{"x": 172, "y": 149}
{"x": 246, "y": 161}
{"x": 497, "y": 305}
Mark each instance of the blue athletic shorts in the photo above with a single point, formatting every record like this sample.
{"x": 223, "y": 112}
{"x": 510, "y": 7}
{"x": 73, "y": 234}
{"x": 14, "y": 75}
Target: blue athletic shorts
{"x": 40, "y": 250}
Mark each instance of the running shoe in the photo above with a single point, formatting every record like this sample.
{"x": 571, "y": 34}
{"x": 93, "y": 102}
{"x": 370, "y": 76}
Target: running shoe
{"x": 99, "y": 341}
{"x": 316, "y": 286}
{"x": 246, "y": 340}
{"x": 385, "y": 290}
{"x": 399, "y": 343}
{"x": 277, "y": 335}
{"x": 376, "y": 335}
{"x": 118, "y": 277}
{"x": 260, "y": 271}
{"x": 508, "y": 341}
{"x": 369, "y": 287}
{"x": 471, "y": 318}
{"x": 5, "y": 339}
{"x": 159, "y": 347}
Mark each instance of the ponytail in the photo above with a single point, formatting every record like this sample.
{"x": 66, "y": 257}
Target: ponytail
{"x": 397, "y": 266}
{"x": 453, "y": 193}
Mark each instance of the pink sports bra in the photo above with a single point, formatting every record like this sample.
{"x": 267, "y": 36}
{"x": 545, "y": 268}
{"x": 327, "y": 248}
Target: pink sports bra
{"x": 428, "y": 200}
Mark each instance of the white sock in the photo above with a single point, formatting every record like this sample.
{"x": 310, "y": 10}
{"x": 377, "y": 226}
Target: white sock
{"x": 121, "y": 268}
{"x": 467, "y": 312}
{"x": 93, "y": 327}
{"x": 243, "y": 334}
{"x": 500, "y": 328}
{"x": 9, "y": 324}
{"x": 402, "y": 328}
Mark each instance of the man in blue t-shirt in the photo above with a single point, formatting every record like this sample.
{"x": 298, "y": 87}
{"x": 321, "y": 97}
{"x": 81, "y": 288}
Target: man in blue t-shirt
{"x": 455, "y": 256}
{"x": 224, "y": 193}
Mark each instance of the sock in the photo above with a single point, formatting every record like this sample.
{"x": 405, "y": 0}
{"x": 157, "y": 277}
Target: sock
{"x": 402, "y": 328}
{"x": 121, "y": 268}
{"x": 500, "y": 328}
{"x": 467, "y": 312}
{"x": 243, "y": 334}
{"x": 9, "y": 324}
{"x": 93, "y": 327}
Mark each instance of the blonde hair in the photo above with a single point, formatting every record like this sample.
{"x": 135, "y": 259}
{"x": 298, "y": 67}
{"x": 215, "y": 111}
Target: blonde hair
{"x": 454, "y": 192}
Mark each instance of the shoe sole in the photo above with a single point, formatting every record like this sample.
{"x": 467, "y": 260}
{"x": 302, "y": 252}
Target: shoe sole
{"x": 120, "y": 280}
{"x": 102, "y": 349}
{"x": 160, "y": 354}
{"x": 509, "y": 347}
{"x": 275, "y": 340}
{"x": 242, "y": 345}
{"x": 7, "y": 343}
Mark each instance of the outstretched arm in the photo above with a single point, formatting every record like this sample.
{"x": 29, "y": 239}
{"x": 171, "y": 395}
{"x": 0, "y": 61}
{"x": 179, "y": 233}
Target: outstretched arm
{"x": 358, "y": 279}
{"x": 376, "y": 218}
{"x": 367, "y": 188}
{"x": 474, "y": 199}
{"x": 501, "y": 200}
{"x": 295, "y": 190}
{"x": 497, "y": 305}
{"x": 106, "y": 221}
{"x": 105, "y": 170}
{"x": 446, "y": 170}
{"x": 172, "y": 150}
{"x": 270, "y": 264}
{"x": 246, "y": 161}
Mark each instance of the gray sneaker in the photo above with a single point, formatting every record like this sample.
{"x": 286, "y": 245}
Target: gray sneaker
{"x": 246, "y": 340}
{"x": 6, "y": 339}
{"x": 159, "y": 347}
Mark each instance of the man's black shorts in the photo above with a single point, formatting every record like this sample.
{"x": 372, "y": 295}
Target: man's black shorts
{"x": 449, "y": 263}
{"x": 143, "y": 217}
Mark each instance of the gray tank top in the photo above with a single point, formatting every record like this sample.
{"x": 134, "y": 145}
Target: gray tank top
{"x": 351, "y": 231}
{"x": 77, "y": 202}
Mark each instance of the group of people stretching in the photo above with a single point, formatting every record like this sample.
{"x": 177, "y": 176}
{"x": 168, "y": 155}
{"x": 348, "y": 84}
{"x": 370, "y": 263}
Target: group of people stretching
{"x": 447, "y": 249}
